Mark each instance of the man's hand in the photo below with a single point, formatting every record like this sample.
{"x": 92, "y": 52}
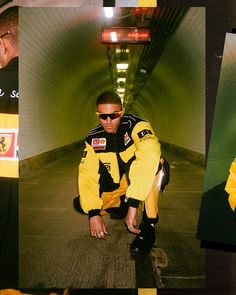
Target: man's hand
{"x": 130, "y": 220}
{"x": 97, "y": 227}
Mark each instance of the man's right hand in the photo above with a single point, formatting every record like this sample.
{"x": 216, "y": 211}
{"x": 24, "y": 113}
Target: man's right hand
{"x": 97, "y": 227}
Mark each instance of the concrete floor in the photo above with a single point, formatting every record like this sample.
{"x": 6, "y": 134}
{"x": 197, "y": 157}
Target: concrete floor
{"x": 56, "y": 250}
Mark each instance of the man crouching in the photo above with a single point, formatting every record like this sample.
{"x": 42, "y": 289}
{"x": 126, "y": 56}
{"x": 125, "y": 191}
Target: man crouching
{"x": 119, "y": 169}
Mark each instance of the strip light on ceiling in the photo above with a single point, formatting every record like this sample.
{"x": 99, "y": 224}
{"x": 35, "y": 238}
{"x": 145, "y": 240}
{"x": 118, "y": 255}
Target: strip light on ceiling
{"x": 121, "y": 80}
{"x": 122, "y": 66}
{"x": 113, "y": 36}
{"x": 119, "y": 50}
{"x": 108, "y": 12}
{"x": 121, "y": 90}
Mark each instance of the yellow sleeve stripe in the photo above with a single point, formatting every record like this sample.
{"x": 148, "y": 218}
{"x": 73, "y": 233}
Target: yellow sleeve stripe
{"x": 147, "y": 3}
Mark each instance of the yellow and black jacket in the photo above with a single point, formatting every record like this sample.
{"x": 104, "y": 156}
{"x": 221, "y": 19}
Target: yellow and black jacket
{"x": 134, "y": 150}
{"x": 231, "y": 186}
{"x": 9, "y": 143}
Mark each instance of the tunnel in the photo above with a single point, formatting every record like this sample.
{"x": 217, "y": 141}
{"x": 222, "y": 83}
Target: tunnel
{"x": 64, "y": 65}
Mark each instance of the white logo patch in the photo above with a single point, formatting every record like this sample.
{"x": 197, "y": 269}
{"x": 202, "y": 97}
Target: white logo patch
{"x": 126, "y": 138}
{"x": 99, "y": 143}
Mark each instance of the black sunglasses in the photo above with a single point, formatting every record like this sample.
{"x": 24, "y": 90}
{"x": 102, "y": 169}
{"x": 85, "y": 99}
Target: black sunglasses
{"x": 112, "y": 116}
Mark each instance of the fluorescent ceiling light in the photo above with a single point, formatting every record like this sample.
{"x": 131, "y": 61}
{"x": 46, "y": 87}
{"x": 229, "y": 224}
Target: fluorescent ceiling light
{"x": 120, "y": 89}
{"x": 118, "y": 50}
{"x": 122, "y": 66}
{"x": 108, "y": 12}
{"x": 143, "y": 71}
{"x": 113, "y": 36}
{"x": 121, "y": 80}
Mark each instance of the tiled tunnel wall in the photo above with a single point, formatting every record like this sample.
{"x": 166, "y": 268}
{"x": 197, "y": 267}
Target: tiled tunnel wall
{"x": 63, "y": 67}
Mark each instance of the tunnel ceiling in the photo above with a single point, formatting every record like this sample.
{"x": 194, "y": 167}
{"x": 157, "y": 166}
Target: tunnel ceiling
{"x": 142, "y": 59}
{"x": 76, "y": 35}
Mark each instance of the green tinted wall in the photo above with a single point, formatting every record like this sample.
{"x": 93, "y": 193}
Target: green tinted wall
{"x": 223, "y": 138}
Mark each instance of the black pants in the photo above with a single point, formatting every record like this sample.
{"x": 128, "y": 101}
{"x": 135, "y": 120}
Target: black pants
{"x": 8, "y": 232}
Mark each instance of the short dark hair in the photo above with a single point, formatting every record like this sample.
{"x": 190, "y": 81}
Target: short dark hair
{"x": 109, "y": 97}
{"x": 9, "y": 19}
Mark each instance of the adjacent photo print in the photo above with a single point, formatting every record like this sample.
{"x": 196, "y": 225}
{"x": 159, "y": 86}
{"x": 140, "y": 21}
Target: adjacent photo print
{"x": 217, "y": 221}
{"x": 69, "y": 56}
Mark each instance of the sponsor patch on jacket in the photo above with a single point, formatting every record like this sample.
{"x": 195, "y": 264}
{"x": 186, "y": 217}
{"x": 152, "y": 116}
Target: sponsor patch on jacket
{"x": 9, "y": 146}
{"x": 108, "y": 166}
{"x": 126, "y": 138}
{"x": 99, "y": 143}
{"x": 144, "y": 132}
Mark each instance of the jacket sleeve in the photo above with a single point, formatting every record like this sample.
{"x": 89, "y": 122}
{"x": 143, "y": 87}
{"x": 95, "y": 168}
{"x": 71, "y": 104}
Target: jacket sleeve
{"x": 88, "y": 180}
{"x": 231, "y": 186}
{"x": 145, "y": 166}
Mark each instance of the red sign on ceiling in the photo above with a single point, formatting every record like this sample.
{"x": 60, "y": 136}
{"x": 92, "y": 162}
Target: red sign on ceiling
{"x": 126, "y": 35}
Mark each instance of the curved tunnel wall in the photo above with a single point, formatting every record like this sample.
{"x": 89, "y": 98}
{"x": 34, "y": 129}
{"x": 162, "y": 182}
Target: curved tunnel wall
{"x": 174, "y": 96}
{"x": 63, "y": 67}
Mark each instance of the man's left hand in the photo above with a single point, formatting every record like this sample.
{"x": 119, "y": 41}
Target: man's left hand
{"x": 130, "y": 220}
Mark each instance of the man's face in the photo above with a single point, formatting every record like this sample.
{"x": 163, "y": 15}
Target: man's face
{"x": 110, "y": 124}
